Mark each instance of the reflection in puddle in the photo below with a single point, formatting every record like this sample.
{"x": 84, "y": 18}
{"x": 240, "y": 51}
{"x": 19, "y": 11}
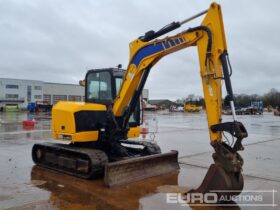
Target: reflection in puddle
{"x": 51, "y": 190}
{"x": 95, "y": 193}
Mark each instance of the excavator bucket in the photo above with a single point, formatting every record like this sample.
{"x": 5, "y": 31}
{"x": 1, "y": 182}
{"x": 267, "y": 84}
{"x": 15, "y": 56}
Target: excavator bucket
{"x": 134, "y": 169}
{"x": 218, "y": 181}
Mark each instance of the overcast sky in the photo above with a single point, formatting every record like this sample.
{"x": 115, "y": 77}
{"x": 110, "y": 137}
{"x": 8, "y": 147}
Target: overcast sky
{"x": 59, "y": 40}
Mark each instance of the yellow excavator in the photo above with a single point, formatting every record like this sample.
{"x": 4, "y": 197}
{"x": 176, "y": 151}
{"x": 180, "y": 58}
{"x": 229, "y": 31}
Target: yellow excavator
{"x": 188, "y": 107}
{"x": 99, "y": 133}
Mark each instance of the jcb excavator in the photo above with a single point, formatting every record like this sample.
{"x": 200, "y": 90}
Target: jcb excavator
{"x": 98, "y": 130}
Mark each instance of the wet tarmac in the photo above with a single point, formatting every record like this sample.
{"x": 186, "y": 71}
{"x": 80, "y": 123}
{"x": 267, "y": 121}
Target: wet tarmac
{"x": 25, "y": 186}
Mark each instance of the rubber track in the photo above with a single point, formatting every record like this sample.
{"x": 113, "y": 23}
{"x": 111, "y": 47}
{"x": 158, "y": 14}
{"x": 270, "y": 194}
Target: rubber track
{"x": 97, "y": 159}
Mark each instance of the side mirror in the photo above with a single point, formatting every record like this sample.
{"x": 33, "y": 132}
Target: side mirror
{"x": 82, "y": 83}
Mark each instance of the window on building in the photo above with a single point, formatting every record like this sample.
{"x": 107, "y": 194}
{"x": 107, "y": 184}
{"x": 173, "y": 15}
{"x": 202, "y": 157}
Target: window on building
{"x": 37, "y": 97}
{"x": 57, "y": 98}
{"x": 37, "y": 87}
{"x": 11, "y": 96}
{"x": 47, "y": 98}
{"x": 12, "y": 86}
{"x": 74, "y": 98}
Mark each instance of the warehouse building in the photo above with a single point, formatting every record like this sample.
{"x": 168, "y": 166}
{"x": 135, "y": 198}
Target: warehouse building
{"x": 18, "y": 92}
{"x": 145, "y": 94}
{"x": 21, "y": 92}
{"x": 162, "y": 103}
{"x": 54, "y": 92}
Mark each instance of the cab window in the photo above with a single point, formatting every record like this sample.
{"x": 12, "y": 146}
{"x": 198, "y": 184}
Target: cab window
{"x": 134, "y": 117}
{"x": 99, "y": 86}
{"x": 118, "y": 84}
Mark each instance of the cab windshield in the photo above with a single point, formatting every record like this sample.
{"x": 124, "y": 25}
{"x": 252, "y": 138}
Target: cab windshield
{"x": 99, "y": 86}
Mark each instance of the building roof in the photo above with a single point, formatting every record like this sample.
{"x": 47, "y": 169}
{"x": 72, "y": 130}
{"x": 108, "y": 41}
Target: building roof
{"x": 53, "y": 83}
{"x": 160, "y": 101}
{"x": 33, "y": 80}
{"x": 27, "y": 80}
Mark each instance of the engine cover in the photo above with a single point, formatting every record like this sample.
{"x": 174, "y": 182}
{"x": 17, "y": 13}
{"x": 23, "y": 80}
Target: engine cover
{"x": 77, "y": 121}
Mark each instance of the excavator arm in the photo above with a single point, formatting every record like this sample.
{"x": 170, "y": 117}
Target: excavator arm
{"x": 209, "y": 38}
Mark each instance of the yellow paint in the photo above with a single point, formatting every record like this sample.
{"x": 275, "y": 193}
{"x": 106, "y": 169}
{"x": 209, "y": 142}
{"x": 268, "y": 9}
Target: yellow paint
{"x": 133, "y": 132}
{"x": 63, "y": 115}
{"x": 63, "y": 121}
{"x": 192, "y": 108}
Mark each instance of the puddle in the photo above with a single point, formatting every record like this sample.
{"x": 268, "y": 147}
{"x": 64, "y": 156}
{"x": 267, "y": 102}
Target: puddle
{"x": 28, "y": 187}
{"x": 38, "y": 182}
{"x": 5, "y": 197}
{"x": 171, "y": 189}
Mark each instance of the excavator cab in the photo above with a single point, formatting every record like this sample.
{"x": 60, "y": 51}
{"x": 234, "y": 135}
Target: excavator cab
{"x": 102, "y": 87}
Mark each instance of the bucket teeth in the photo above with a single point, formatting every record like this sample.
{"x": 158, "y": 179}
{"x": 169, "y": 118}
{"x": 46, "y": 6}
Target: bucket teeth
{"x": 219, "y": 181}
{"x": 224, "y": 176}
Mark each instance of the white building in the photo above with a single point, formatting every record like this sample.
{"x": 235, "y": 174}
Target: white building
{"x": 54, "y": 92}
{"x": 145, "y": 94}
{"x": 21, "y": 92}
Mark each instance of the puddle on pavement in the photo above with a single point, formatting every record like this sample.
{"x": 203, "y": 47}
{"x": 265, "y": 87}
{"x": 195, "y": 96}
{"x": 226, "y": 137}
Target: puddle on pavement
{"x": 5, "y": 197}
{"x": 45, "y": 189}
{"x": 171, "y": 189}
{"x": 12, "y": 122}
{"x": 38, "y": 182}
{"x": 95, "y": 192}
{"x": 149, "y": 194}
